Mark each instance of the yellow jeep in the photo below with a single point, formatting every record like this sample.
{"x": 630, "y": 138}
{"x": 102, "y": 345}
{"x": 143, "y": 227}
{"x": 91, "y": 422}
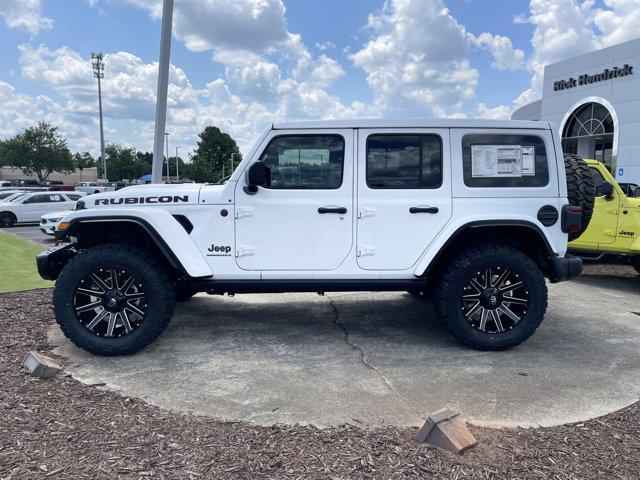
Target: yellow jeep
{"x": 612, "y": 234}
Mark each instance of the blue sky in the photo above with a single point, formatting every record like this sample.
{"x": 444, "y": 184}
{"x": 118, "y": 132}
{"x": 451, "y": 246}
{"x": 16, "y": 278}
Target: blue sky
{"x": 244, "y": 64}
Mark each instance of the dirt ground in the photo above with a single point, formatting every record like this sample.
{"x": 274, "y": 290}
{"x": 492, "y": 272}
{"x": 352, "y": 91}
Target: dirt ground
{"x": 64, "y": 429}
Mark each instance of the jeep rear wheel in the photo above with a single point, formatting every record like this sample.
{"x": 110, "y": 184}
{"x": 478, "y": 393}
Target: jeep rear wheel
{"x": 581, "y": 189}
{"x": 114, "y": 299}
{"x": 491, "y": 297}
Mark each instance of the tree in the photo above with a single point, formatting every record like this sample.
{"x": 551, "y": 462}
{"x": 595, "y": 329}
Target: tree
{"x": 214, "y": 150}
{"x": 124, "y": 163}
{"x": 83, "y": 160}
{"x": 38, "y": 151}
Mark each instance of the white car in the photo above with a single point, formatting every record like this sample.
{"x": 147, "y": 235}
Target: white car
{"x": 91, "y": 187}
{"x": 476, "y": 213}
{"x": 49, "y": 221}
{"x": 29, "y": 207}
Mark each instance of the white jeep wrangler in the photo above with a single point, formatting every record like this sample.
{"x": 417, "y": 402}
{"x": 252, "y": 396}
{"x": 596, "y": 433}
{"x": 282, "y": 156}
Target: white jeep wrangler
{"x": 471, "y": 212}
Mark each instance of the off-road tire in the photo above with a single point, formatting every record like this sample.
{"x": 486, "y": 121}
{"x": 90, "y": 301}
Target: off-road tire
{"x": 149, "y": 270}
{"x": 635, "y": 263}
{"x": 7, "y": 219}
{"x": 581, "y": 189}
{"x": 448, "y": 293}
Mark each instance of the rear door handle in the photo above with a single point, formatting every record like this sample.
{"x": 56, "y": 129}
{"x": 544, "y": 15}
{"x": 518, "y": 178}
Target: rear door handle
{"x": 423, "y": 210}
{"x": 340, "y": 210}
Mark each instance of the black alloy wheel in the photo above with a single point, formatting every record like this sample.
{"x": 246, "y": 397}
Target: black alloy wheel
{"x": 495, "y": 300}
{"x": 110, "y": 302}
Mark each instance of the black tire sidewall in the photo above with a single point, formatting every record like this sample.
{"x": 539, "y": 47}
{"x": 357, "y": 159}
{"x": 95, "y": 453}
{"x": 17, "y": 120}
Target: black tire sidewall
{"x": 458, "y": 325}
{"x": 10, "y": 222}
{"x": 160, "y": 299}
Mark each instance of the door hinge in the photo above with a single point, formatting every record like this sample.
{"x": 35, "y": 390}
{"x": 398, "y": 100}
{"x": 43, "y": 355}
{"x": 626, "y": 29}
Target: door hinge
{"x": 366, "y": 250}
{"x": 366, "y": 212}
{"x": 244, "y": 212}
{"x": 245, "y": 251}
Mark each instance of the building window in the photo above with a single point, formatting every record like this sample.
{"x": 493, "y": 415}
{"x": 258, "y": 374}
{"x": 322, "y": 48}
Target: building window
{"x": 589, "y": 133}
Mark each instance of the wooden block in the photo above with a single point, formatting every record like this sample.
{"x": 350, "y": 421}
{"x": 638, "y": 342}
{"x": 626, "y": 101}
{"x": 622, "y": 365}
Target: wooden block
{"x": 41, "y": 366}
{"x": 443, "y": 429}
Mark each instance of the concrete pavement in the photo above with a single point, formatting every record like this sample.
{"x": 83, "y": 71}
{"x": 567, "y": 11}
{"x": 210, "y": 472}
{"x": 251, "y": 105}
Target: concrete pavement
{"x": 381, "y": 359}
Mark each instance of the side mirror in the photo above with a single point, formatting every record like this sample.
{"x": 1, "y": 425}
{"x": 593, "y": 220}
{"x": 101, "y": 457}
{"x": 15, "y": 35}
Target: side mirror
{"x": 258, "y": 175}
{"x": 606, "y": 190}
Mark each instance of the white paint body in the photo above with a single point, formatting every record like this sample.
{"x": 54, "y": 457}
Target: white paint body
{"x": 278, "y": 234}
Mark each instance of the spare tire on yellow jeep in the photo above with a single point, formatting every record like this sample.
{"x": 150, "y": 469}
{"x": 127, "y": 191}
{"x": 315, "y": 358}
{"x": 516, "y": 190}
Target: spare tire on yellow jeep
{"x": 581, "y": 189}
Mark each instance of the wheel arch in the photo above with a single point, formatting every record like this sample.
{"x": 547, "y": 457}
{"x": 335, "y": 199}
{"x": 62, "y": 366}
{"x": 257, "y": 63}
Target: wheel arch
{"x": 522, "y": 234}
{"x": 166, "y": 235}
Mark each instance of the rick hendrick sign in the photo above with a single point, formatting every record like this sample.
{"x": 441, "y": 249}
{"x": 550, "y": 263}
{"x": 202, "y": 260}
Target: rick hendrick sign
{"x": 586, "y": 79}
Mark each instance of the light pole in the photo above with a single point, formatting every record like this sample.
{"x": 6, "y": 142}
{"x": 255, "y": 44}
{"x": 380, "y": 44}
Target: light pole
{"x": 177, "y": 165}
{"x": 233, "y": 154}
{"x": 166, "y": 135}
{"x": 98, "y": 72}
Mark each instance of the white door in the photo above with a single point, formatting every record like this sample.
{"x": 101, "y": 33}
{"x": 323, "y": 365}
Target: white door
{"x": 304, "y": 219}
{"x": 37, "y": 205}
{"x": 403, "y": 194}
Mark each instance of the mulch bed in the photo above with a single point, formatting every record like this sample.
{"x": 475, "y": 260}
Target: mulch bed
{"x": 65, "y": 429}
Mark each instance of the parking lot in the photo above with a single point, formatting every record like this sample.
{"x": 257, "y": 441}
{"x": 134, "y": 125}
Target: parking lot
{"x": 379, "y": 359}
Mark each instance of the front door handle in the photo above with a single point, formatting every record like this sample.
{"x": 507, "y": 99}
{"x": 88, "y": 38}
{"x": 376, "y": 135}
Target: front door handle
{"x": 423, "y": 210}
{"x": 340, "y": 210}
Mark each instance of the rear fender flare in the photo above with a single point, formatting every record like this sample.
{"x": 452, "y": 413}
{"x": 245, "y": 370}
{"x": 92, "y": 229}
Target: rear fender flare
{"x": 447, "y": 235}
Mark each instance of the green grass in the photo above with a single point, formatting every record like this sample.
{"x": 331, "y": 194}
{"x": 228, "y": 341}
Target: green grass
{"x": 18, "y": 269}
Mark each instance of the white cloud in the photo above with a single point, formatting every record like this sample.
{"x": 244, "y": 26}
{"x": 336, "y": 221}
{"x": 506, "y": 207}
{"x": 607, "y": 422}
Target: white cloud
{"x": 25, "y": 15}
{"x": 505, "y": 56}
{"x": 326, "y": 71}
{"x": 417, "y": 60}
{"x": 323, "y": 46}
{"x": 496, "y": 113}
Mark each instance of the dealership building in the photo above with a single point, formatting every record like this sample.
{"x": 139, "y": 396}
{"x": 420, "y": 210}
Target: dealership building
{"x": 594, "y": 99}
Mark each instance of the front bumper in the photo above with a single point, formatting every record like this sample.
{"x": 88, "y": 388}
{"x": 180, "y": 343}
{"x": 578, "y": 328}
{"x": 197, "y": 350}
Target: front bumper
{"x": 51, "y": 262}
{"x": 565, "y": 268}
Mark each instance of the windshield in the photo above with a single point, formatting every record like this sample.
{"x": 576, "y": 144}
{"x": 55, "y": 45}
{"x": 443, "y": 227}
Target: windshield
{"x": 15, "y": 197}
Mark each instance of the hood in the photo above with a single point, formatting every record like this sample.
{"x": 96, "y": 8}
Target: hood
{"x": 60, "y": 214}
{"x": 146, "y": 195}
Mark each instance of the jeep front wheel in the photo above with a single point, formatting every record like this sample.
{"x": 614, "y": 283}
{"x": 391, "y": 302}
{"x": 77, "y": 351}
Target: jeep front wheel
{"x": 114, "y": 299}
{"x": 491, "y": 297}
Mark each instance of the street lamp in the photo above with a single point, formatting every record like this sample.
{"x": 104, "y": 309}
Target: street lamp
{"x": 163, "y": 85}
{"x": 98, "y": 72}
{"x": 166, "y": 136}
{"x": 177, "y": 165}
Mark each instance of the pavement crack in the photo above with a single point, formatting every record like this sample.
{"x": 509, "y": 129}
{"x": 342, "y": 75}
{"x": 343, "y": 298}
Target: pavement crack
{"x": 363, "y": 356}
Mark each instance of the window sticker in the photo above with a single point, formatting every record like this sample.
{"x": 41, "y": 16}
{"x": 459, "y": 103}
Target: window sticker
{"x": 490, "y": 161}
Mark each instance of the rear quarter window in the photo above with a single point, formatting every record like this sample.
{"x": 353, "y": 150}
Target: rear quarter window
{"x": 504, "y": 160}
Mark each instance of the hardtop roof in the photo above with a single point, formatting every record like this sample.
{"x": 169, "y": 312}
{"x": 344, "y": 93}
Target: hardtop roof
{"x": 413, "y": 123}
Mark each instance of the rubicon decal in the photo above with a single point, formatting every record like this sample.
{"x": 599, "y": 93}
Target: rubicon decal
{"x": 142, "y": 200}
{"x": 219, "y": 251}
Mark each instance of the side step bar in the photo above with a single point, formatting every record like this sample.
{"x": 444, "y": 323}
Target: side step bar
{"x": 314, "y": 285}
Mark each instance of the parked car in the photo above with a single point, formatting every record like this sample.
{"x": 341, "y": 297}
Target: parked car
{"x": 49, "y": 183}
{"x": 115, "y": 185}
{"x": 25, "y": 183}
{"x": 474, "y": 212}
{"x": 49, "y": 221}
{"x": 62, "y": 188}
{"x": 29, "y": 207}
{"x": 91, "y": 187}
{"x": 5, "y": 183}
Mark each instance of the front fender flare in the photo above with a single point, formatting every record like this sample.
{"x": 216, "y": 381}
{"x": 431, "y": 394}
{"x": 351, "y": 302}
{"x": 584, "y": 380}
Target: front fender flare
{"x": 167, "y": 233}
